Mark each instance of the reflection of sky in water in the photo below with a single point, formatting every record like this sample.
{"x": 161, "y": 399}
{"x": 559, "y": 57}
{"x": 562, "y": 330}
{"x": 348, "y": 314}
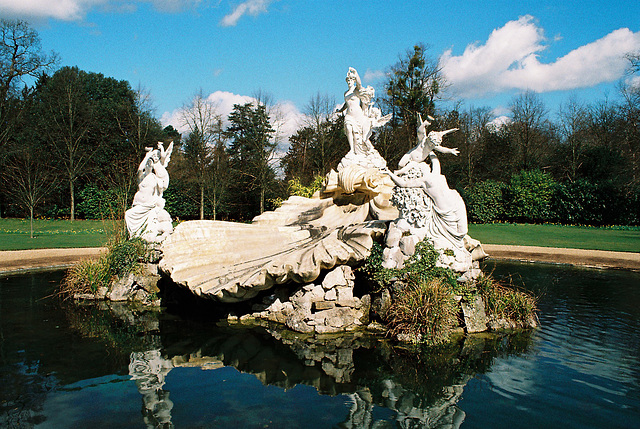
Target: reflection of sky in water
{"x": 567, "y": 351}
{"x": 584, "y": 359}
{"x": 103, "y": 402}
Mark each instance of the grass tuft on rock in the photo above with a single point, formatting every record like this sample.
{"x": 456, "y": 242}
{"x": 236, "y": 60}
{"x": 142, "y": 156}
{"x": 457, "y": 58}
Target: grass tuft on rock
{"x": 506, "y": 301}
{"x": 423, "y": 311}
{"x": 88, "y": 276}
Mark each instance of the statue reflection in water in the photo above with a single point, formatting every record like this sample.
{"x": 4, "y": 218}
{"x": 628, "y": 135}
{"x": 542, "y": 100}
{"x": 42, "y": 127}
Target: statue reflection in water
{"x": 148, "y": 370}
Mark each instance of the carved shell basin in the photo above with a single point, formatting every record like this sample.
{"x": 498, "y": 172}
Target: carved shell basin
{"x": 231, "y": 262}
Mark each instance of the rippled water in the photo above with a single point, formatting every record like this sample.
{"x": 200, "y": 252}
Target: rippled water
{"x": 68, "y": 366}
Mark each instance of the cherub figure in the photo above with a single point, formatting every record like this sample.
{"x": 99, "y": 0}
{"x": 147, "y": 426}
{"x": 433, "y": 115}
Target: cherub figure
{"x": 426, "y": 144}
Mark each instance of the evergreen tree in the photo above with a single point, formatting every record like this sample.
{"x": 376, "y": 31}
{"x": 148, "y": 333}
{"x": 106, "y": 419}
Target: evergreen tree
{"x": 413, "y": 86}
{"x": 315, "y": 150}
{"x": 251, "y": 157}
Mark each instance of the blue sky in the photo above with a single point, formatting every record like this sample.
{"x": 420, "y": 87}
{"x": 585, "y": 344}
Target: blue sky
{"x": 292, "y": 49}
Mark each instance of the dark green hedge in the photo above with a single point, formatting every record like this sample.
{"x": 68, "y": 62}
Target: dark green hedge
{"x": 535, "y": 197}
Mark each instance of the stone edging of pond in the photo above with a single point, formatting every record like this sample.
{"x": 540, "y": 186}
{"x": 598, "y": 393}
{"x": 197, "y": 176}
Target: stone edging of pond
{"x": 580, "y": 257}
{"x": 16, "y": 261}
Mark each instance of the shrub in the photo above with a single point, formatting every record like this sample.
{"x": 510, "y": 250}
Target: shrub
{"x": 424, "y": 306}
{"x": 484, "y": 201}
{"x": 424, "y": 309}
{"x": 634, "y": 208}
{"x": 181, "y": 202}
{"x": 375, "y": 275}
{"x": 529, "y": 195}
{"x": 421, "y": 267}
{"x": 297, "y": 188}
{"x": 123, "y": 256}
{"x": 94, "y": 203}
{"x": 86, "y": 277}
{"x": 584, "y": 202}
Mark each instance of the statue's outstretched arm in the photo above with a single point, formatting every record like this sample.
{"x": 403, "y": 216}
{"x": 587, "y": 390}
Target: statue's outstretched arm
{"x": 147, "y": 155}
{"x": 443, "y": 149}
{"x": 407, "y": 167}
{"x": 403, "y": 183}
{"x": 165, "y": 156}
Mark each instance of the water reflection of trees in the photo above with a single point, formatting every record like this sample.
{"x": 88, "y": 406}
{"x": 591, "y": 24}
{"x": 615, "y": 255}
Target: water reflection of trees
{"x": 421, "y": 388}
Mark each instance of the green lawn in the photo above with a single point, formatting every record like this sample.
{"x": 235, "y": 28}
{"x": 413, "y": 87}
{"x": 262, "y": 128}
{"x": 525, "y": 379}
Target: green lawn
{"x": 625, "y": 239}
{"x": 14, "y": 233}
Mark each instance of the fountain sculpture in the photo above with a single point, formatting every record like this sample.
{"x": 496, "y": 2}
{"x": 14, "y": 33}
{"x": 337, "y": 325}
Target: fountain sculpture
{"x": 307, "y": 239}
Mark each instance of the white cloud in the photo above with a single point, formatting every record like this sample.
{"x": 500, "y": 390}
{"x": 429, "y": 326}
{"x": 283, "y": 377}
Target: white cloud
{"x": 172, "y": 5}
{"x": 285, "y": 116}
{"x": 63, "y": 9}
{"x": 374, "y": 75}
{"x": 251, "y": 7}
{"x": 225, "y": 100}
{"x": 73, "y": 10}
{"x": 498, "y": 122}
{"x": 509, "y": 60}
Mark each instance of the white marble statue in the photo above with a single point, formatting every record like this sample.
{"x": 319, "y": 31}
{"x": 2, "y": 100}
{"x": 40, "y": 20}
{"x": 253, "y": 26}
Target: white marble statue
{"x": 429, "y": 208}
{"x": 147, "y": 217}
{"x": 450, "y": 213}
{"x": 232, "y": 262}
{"x": 360, "y": 117}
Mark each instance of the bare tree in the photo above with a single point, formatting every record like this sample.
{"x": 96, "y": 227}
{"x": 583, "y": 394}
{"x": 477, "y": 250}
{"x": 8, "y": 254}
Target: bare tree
{"x": 67, "y": 117}
{"x": 602, "y": 123}
{"x": 634, "y": 62}
{"x": 204, "y": 123}
{"x": 528, "y": 127}
{"x": 28, "y": 176}
{"x": 20, "y": 56}
{"x": 319, "y": 113}
{"x": 277, "y": 118}
{"x": 473, "y": 126}
{"x": 574, "y": 125}
{"x": 630, "y": 114}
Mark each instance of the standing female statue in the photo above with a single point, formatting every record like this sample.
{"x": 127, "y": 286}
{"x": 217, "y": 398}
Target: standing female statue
{"x": 360, "y": 116}
{"x": 147, "y": 218}
{"x": 356, "y": 123}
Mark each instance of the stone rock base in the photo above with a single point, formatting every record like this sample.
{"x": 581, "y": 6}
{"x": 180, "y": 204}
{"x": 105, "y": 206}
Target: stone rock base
{"x": 324, "y": 307}
{"x": 401, "y": 241}
{"x": 475, "y": 317}
{"x": 142, "y": 288}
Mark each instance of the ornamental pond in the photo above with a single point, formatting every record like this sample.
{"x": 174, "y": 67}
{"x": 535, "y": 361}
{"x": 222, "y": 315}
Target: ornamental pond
{"x": 106, "y": 366}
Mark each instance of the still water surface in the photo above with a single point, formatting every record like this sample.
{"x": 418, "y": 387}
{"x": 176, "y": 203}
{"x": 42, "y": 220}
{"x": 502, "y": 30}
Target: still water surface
{"x": 63, "y": 366}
